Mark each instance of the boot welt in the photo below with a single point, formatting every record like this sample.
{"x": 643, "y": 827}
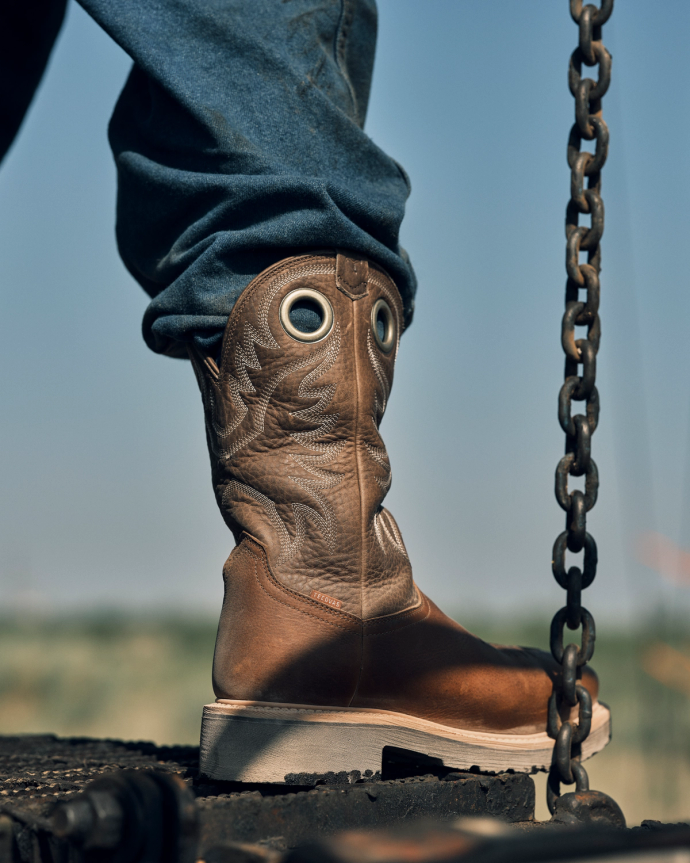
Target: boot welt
{"x": 251, "y": 741}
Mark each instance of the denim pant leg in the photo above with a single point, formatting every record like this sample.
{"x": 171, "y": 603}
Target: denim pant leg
{"x": 238, "y": 141}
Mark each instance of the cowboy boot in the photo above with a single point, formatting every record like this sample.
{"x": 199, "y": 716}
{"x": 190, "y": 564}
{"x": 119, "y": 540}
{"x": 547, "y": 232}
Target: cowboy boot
{"x": 327, "y": 651}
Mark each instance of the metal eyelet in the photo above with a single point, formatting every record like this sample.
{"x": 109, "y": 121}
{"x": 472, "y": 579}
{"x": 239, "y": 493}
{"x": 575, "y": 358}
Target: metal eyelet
{"x": 289, "y": 301}
{"x": 381, "y": 309}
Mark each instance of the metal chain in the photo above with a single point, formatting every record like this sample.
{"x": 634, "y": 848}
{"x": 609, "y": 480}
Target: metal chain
{"x": 577, "y": 461}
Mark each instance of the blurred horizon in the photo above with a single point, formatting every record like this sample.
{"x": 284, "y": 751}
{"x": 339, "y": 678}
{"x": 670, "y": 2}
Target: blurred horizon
{"x": 147, "y": 679}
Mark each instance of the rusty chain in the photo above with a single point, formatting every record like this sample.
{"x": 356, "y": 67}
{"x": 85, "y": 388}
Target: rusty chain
{"x": 577, "y": 461}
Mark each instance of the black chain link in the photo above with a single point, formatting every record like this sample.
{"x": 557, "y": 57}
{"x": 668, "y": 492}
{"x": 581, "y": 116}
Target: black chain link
{"x": 577, "y": 461}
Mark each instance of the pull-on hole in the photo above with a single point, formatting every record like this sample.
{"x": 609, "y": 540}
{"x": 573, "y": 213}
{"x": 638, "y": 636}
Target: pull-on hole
{"x": 383, "y": 325}
{"x": 381, "y": 322}
{"x": 306, "y": 315}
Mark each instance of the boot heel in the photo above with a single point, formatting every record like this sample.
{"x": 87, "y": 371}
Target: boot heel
{"x": 245, "y": 741}
{"x": 277, "y": 744}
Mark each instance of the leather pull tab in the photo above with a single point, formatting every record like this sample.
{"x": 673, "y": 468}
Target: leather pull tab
{"x": 352, "y": 276}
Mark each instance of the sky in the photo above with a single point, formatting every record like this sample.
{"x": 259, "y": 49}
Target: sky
{"x": 107, "y": 500}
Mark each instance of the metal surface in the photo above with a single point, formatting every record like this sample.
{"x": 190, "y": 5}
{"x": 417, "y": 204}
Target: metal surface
{"x": 131, "y": 816}
{"x": 577, "y": 461}
{"x": 130, "y": 802}
{"x": 91, "y": 801}
{"x": 38, "y": 773}
{"x": 319, "y": 300}
{"x": 381, "y": 311}
{"x": 288, "y": 820}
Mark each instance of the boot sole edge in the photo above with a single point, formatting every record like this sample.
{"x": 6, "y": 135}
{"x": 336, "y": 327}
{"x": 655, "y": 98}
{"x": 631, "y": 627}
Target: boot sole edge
{"x": 260, "y": 742}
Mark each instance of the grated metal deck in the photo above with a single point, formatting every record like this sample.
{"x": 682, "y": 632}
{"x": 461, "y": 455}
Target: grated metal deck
{"x": 36, "y": 772}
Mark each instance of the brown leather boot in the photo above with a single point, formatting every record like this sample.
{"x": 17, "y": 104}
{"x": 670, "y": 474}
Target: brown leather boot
{"x": 327, "y": 652}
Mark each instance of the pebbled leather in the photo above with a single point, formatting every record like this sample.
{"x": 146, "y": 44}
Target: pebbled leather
{"x": 275, "y": 644}
{"x": 320, "y": 607}
{"x": 292, "y": 428}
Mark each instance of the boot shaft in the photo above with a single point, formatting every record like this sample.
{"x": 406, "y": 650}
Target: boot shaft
{"x": 292, "y": 421}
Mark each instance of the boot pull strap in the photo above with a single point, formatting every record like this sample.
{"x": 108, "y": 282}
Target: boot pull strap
{"x": 352, "y": 276}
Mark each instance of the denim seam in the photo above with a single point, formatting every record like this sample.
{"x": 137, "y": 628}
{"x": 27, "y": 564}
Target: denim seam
{"x": 347, "y": 13}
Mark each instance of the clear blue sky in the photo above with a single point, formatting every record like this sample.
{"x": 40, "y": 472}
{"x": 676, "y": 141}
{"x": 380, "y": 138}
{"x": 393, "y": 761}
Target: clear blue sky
{"x": 106, "y": 491}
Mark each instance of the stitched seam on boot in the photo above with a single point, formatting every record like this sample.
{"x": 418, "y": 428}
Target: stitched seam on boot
{"x": 397, "y": 628}
{"x": 297, "y": 263}
{"x": 358, "y": 462}
{"x": 237, "y": 360}
{"x": 403, "y": 617}
{"x": 384, "y": 528}
{"x": 358, "y": 468}
{"x": 243, "y": 353}
{"x": 259, "y": 561}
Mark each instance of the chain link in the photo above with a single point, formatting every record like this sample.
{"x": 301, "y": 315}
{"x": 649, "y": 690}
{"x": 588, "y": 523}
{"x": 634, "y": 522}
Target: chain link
{"x": 579, "y": 386}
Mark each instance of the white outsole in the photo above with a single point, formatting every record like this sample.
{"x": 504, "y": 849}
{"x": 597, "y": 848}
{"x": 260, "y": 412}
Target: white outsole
{"x": 249, "y": 741}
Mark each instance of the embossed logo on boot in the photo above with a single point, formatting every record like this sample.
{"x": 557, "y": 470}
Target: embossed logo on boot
{"x": 327, "y": 600}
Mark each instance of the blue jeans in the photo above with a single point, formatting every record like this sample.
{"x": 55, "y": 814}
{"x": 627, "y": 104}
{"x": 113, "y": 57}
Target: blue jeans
{"x": 238, "y": 140}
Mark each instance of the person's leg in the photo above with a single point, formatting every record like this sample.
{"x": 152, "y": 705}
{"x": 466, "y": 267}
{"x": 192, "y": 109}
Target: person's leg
{"x": 27, "y": 34}
{"x": 238, "y": 141}
{"x": 327, "y": 652}
{"x": 248, "y": 191}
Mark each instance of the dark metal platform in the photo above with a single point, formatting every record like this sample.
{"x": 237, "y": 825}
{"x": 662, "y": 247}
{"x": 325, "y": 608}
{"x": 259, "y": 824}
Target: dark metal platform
{"x": 106, "y": 801}
{"x": 36, "y": 772}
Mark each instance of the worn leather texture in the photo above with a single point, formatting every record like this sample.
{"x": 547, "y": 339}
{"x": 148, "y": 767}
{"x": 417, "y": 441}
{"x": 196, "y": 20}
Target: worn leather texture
{"x": 320, "y": 607}
{"x": 422, "y": 662}
{"x": 292, "y": 428}
{"x": 276, "y": 645}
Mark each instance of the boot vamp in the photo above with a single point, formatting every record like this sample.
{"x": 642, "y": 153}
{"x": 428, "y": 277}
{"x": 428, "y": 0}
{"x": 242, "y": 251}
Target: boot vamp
{"x": 424, "y": 664}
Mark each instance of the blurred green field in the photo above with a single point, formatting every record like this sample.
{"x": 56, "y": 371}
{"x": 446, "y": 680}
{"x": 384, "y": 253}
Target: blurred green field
{"x": 112, "y": 675}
